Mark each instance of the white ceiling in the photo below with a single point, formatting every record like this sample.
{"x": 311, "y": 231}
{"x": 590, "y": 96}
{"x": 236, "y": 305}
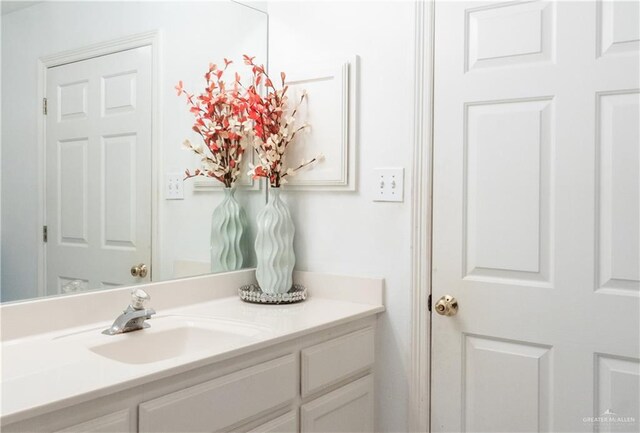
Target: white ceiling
{"x": 12, "y": 6}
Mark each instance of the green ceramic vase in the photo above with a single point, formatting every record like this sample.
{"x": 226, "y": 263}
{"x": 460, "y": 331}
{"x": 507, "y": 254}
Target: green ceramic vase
{"x": 228, "y": 232}
{"x": 274, "y": 246}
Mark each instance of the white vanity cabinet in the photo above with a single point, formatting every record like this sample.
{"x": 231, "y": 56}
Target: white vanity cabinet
{"x": 318, "y": 382}
{"x": 348, "y": 408}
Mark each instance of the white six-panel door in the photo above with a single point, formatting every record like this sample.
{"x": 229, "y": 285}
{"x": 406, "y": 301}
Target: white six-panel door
{"x": 536, "y": 226}
{"x": 98, "y": 165}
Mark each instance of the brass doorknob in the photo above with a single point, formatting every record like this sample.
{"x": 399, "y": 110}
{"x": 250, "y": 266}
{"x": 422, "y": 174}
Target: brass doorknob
{"x": 447, "y": 306}
{"x": 139, "y": 270}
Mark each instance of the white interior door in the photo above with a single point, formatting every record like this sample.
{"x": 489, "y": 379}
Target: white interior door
{"x": 98, "y": 164}
{"x": 536, "y": 217}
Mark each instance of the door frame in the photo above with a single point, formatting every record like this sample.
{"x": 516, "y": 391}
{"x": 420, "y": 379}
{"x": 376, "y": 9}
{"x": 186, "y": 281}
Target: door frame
{"x": 421, "y": 219}
{"x": 152, "y": 39}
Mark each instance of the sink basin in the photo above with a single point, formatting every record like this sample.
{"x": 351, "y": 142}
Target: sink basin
{"x": 172, "y": 337}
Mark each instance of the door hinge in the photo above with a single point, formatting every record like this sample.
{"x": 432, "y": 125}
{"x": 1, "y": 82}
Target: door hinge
{"x": 429, "y": 302}
{"x": 44, "y": 106}
{"x": 45, "y": 233}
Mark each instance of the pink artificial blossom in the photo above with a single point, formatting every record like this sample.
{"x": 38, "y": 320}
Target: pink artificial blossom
{"x": 273, "y": 128}
{"x": 222, "y": 120}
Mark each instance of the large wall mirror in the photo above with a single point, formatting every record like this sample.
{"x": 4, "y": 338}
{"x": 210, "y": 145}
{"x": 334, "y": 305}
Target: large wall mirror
{"x": 88, "y": 194}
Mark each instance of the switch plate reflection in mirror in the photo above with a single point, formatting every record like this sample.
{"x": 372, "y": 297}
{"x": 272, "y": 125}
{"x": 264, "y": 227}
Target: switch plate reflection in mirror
{"x": 174, "y": 187}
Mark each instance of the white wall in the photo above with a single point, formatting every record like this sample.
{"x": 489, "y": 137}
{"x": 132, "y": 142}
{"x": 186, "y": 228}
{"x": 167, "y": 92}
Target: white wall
{"x": 193, "y": 34}
{"x": 347, "y": 232}
{"x": 0, "y": 163}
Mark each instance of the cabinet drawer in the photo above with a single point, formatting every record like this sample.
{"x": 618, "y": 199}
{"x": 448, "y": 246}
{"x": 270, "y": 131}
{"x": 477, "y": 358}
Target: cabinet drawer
{"x": 337, "y": 359}
{"x": 222, "y": 402}
{"x": 347, "y": 409}
{"x": 287, "y": 423}
{"x": 116, "y": 422}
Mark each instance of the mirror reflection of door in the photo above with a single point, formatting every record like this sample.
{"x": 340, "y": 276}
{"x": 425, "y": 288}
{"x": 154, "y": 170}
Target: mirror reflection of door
{"x": 107, "y": 157}
{"x": 98, "y": 171}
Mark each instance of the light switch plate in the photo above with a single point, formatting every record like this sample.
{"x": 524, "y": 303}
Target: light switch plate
{"x": 388, "y": 184}
{"x": 174, "y": 186}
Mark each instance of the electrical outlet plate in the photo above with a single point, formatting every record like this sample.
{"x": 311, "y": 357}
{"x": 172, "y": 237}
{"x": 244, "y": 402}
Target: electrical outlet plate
{"x": 388, "y": 184}
{"x": 174, "y": 186}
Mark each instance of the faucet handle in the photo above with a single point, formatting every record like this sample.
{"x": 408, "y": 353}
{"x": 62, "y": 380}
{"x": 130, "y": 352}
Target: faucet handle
{"x": 138, "y": 298}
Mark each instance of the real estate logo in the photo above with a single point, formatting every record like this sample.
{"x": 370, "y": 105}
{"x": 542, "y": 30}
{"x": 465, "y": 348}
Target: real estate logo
{"x": 611, "y": 418}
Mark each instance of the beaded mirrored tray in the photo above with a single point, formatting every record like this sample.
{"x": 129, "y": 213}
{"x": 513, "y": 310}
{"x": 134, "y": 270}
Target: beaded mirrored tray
{"x": 252, "y": 293}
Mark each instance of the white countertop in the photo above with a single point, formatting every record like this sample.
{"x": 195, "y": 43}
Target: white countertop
{"x": 46, "y": 372}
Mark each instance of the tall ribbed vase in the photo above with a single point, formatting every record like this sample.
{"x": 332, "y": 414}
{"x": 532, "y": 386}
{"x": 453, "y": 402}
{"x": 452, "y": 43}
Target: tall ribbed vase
{"x": 274, "y": 246}
{"x": 228, "y": 230}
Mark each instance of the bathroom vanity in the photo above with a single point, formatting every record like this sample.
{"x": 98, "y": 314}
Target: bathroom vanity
{"x": 212, "y": 363}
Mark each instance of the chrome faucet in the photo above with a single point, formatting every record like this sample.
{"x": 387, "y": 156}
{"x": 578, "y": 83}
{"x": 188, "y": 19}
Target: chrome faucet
{"x": 133, "y": 318}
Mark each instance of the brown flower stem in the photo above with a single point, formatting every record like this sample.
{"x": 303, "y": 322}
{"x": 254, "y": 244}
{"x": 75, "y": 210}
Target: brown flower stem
{"x": 302, "y": 166}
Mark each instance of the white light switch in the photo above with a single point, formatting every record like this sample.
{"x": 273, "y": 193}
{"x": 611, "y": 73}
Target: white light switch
{"x": 388, "y": 184}
{"x": 174, "y": 186}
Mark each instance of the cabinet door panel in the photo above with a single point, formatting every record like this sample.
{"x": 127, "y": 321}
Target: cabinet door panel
{"x": 347, "y": 409}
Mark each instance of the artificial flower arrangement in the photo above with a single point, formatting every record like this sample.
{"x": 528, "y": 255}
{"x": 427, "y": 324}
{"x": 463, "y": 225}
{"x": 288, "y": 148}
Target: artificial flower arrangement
{"x": 230, "y": 116}
{"x": 274, "y": 129}
{"x": 222, "y": 120}
{"x": 227, "y": 118}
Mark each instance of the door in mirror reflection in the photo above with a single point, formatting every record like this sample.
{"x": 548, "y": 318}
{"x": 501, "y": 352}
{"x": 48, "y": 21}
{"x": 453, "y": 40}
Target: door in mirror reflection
{"x": 98, "y": 165}
{"x": 95, "y": 170}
